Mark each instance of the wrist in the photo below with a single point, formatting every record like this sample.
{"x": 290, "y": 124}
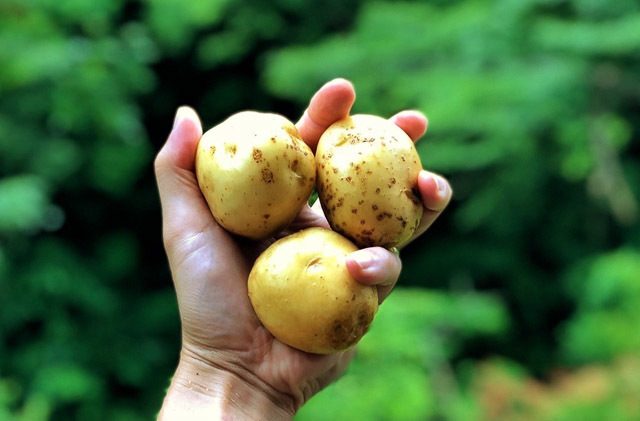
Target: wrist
{"x": 200, "y": 391}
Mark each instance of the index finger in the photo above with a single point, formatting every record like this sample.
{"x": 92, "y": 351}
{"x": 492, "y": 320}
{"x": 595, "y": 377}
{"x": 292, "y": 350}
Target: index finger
{"x": 332, "y": 102}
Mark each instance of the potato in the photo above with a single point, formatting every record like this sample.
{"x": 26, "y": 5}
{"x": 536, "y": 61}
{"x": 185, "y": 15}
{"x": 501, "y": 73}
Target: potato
{"x": 367, "y": 181}
{"x": 255, "y": 172}
{"x": 303, "y": 294}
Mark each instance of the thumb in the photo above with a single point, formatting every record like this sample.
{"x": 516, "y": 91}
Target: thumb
{"x": 375, "y": 266}
{"x": 184, "y": 210}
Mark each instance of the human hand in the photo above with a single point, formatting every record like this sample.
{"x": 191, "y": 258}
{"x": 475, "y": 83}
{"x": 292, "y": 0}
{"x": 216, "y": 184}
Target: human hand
{"x": 230, "y": 365}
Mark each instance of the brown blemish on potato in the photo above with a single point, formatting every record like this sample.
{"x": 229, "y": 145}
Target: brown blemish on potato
{"x": 374, "y": 207}
{"x": 340, "y": 201}
{"x": 212, "y": 149}
{"x": 383, "y": 215}
{"x": 257, "y": 155}
{"x": 266, "y": 216}
{"x": 354, "y": 211}
{"x": 344, "y": 333}
{"x": 393, "y": 180}
{"x": 410, "y": 194}
{"x": 362, "y": 222}
{"x": 378, "y": 190}
{"x": 267, "y": 176}
{"x": 339, "y": 335}
{"x": 335, "y": 171}
{"x": 230, "y": 149}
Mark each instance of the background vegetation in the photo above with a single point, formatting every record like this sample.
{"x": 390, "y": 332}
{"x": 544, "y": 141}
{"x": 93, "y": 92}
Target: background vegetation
{"x": 522, "y": 302}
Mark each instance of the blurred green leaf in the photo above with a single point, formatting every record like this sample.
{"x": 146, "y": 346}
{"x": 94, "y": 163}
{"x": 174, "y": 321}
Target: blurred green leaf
{"x": 66, "y": 383}
{"x": 24, "y": 203}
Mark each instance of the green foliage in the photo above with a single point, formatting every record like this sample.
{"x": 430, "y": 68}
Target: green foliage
{"x": 533, "y": 117}
{"x": 405, "y": 357}
{"x": 605, "y": 324}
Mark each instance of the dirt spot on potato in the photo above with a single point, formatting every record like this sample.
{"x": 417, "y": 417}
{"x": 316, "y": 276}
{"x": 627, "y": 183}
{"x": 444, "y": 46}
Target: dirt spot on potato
{"x": 412, "y": 195}
{"x": 267, "y": 176}
{"x": 257, "y": 155}
{"x": 344, "y": 333}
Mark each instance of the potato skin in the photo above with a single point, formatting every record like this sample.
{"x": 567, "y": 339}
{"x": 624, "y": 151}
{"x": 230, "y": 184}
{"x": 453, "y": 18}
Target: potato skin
{"x": 303, "y": 294}
{"x": 367, "y": 181}
{"x": 255, "y": 172}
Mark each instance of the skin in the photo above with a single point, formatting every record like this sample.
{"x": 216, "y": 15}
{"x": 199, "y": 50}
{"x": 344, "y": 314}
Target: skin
{"x": 230, "y": 366}
{"x": 367, "y": 170}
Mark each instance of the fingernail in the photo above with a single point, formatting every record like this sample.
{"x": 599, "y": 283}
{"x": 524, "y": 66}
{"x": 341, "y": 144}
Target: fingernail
{"x": 363, "y": 258}
{"x": 442, "y": 185}
{"x": 180, "y": 115}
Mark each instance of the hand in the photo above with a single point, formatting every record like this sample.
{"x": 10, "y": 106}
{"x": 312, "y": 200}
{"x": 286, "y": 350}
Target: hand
{"x": 229, "y": 363}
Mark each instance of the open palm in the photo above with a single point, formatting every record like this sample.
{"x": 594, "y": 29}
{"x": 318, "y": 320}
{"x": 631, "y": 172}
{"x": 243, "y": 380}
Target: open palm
{"x": 210, "y": 267}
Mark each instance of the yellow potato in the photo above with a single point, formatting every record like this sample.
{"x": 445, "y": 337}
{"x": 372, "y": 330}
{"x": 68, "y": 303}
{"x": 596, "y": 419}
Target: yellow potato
{"x": 255, "y": 172}
{"x": 367, "y": 181}
{"x": 303, "y": 294}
